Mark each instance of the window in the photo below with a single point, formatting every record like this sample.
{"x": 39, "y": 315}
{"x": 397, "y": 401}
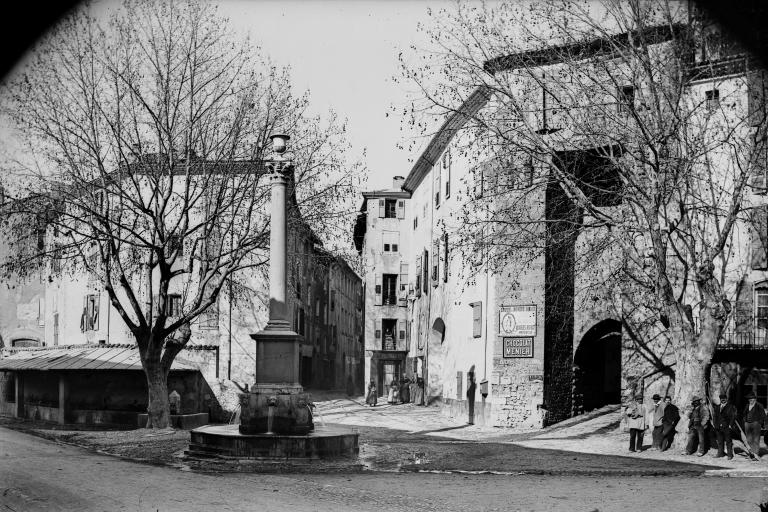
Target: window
{"x": 403, "y": 276}
{"x": 391, "y": 241}
{"x": 415, "y": 222}
{"x": 761, "y": 305}
{"x": 209, "y": 319}
{"x": 173, "y": 305}
{"x": 712, "y": 99}
{"x": 625, "y": 99}
{"x": 390, "y": 208}
{"x": 425, "y": 270}
{"x": 389, "y": 297}
{"x": 89, "y": 320}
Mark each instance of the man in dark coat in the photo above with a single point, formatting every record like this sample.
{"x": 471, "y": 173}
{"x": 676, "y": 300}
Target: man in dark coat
{"x": 471, "y": 398}
{"x": 668, "y": 423}
{"x": 723, "y": 421}
{"x": 698, "y": 421}
{"x": 657, "y": 414}
{"x": 754, "y": 417}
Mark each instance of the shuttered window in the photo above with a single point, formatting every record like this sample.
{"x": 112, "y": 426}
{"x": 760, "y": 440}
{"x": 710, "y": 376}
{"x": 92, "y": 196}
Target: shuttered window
{"x": 760, "y": 238}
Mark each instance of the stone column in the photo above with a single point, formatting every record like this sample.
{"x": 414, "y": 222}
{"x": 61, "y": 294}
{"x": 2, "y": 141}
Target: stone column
{"x": 19, "y": 395}
{"x": 63, "y": 399}
{"x": 278, "y": 307}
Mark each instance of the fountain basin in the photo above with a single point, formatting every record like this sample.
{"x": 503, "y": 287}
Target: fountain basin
{"x": 226, "y": 441}
{"x": 275, "y": 411}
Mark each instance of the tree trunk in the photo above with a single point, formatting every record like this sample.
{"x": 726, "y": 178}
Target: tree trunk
{"x": 159, "y": 412}
{"x": 689, "y": 382}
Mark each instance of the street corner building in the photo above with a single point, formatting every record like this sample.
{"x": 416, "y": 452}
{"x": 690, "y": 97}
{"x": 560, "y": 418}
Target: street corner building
{"x": 532, "y": 332}
{"x": 67, "y": 357}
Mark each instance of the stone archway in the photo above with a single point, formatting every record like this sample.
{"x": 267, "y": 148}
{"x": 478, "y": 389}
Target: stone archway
{"x": 435, "y": 361}
{"x": 597, "y": 367}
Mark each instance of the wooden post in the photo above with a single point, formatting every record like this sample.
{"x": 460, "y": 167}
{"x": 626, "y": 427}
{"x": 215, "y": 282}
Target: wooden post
{"x": 63, "y": 399}
{"x": 19, "y": 395}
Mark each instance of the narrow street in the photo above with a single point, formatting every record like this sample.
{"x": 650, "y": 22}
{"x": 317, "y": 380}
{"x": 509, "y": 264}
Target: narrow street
{"x": 36, "y": 474}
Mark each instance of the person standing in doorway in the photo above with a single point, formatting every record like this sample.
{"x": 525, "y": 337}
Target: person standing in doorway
{"x": 393, "y": 391}
{"x": 656, "y": 421}
{"x": 668, "y": 423}
{"x": 471, "y": 397}
{"x": 419, "y": 391}
{"x": 405, "y": 390}
{"x": 370, "y": 397}
{"x": 636, "y": 422}
{"x": 723, "y": 421}
{"x": 754, "y": 417}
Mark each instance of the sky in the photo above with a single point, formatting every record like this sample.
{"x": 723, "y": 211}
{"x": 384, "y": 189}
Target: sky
{"x": 345, "y": 53}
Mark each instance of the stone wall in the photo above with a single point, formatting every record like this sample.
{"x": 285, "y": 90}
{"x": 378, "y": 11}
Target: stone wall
{"x": 517, "y": 391}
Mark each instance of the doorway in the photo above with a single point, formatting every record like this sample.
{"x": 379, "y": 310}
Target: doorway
{"x": 597, "y": 366}
{"x": 388, "y": 371}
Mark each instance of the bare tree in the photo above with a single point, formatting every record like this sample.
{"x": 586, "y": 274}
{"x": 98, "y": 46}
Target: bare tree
{"x": 148, "y": 132}
{"x": 606, "y": 140}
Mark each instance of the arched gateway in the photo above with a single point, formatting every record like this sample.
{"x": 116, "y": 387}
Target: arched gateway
{"x": 597, "y": 367}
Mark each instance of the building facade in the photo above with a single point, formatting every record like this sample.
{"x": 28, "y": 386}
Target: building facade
{"x": 537, "y": 329}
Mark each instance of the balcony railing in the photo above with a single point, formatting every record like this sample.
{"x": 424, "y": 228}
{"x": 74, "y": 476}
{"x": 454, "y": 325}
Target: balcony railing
{"x": 743, "y": 340}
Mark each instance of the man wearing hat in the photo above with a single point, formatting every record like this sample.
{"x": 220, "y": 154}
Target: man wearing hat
{"x": 656, "y": 421}
{"x": 723, "y": 420}
{"x": 669, "y": 422}
{"x": 636, "y": 422}
{"x": 697, "y": 426}
{"x": 754, "y": 416}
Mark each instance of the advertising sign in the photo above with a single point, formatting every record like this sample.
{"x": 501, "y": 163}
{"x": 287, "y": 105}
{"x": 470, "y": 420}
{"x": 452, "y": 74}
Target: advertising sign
{"x": 517, "y": 320}
{"x": 518, "y": 347}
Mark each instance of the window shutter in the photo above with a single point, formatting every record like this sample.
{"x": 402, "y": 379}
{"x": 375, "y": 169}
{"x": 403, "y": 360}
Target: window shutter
{"x": 425, "y": 271}
{"x": 381, "y": 208}
{"x": 400, "y": 209}
{"x": 760, "y": 238}
{"x": 447, "y": 174}
{"x": 418, "y": 276}
{"x": 401, "y": 330}
{"x": 379, "y": 280}
{"x": 435, "y": 261}
{"x": 477, "y": 319}
{"x": 403, "y": 275}
{"x": 478, "y": 174}
{"x": 445, "y": 257}
{"x": 436, "y": 172}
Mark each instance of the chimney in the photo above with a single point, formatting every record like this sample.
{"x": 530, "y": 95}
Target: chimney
{"x": 397, "y": 182}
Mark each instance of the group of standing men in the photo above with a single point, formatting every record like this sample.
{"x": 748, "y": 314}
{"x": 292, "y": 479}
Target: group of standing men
{"x": 704, "y": 421}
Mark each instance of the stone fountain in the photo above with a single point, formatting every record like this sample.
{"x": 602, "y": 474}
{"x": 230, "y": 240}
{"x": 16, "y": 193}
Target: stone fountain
{"x": 275, "y": 415}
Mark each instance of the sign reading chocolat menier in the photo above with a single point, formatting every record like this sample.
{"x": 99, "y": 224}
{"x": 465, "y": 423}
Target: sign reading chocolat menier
{"x": 518, "y": 347}
{"x": 517, "y": 320}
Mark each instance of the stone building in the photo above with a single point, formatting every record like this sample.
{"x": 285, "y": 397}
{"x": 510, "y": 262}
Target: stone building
{"x": 383, "y": 242}
{"x": 535, "y": 328}
{"x": 59, "y": 306}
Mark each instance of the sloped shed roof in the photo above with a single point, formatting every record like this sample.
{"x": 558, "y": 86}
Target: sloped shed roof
{"x": 85, "y": 357}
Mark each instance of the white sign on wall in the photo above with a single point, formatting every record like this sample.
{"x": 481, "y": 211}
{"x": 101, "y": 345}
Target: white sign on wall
{"x": 517, "y": 320}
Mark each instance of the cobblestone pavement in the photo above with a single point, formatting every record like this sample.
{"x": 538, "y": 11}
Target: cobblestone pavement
{"x": 411, "y": 437}
{"x": 40, "y": 475}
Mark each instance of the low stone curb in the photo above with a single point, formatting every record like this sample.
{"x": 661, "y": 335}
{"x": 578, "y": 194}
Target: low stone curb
{"x": 737, "y": 473}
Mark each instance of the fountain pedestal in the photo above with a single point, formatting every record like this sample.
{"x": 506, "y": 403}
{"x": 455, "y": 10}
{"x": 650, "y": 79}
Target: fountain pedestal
{"x": 276, "y": 403}
{"x": 275, "y": 415}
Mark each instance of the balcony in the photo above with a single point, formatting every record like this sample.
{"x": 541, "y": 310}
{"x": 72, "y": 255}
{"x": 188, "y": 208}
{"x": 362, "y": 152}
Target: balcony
{"x": 743, "y": 341}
